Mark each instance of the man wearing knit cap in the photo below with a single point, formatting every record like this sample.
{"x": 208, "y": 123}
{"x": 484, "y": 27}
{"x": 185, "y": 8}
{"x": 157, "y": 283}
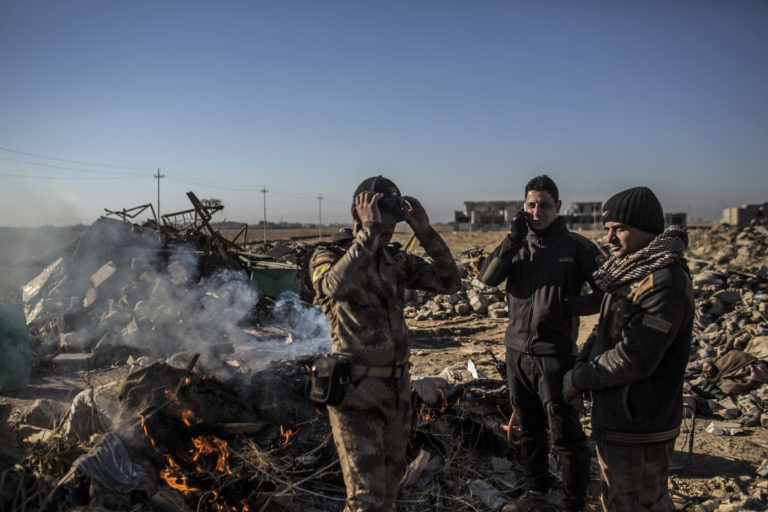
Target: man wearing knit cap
{"x": 633, "y": 363}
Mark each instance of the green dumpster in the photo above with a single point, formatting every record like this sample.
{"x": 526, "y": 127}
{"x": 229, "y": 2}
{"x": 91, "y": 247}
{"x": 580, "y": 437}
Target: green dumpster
{"x": 272, "y": 277}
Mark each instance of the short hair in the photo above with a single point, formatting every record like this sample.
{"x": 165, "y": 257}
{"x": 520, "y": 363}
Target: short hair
{"x": 543, "y": 183}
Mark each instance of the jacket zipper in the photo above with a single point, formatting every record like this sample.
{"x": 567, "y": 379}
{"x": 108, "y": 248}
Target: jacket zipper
{"x": 529, "y": 344}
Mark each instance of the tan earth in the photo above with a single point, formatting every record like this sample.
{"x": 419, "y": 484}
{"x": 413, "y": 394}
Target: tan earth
{"x": 720, "y": 466}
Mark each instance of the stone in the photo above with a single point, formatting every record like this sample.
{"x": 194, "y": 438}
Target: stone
{"x": 729, "y": 296}
{"x": 498, "y": 310}
{"x": 433, "y": 307}
{"x": 178, "y": 273}
{"x": 74, "y": 342}
{"x": 67, "y": 362}
{"x": 103, "y": 274}
{"x": 709, "y": 278}
{"x": 462, "y": 308}
{"x": 42, "y": 413}
{"x": 90, "y": 298}
{"x": 478, "y": 302}
{"x": 758, "y": 347}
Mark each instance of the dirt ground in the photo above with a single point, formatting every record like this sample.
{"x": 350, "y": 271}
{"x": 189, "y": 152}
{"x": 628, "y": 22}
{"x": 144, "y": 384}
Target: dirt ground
{"x": 718, "y": 465}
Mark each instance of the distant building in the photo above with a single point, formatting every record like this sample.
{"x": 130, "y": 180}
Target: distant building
{"x": 585, "y": 215}
{"x": 486, "y": 214}
{"x": 742, "y": 215}
{"x": 675, "y": 219}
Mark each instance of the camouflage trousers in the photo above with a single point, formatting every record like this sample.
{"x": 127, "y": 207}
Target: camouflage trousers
{"x": 634, "y": 478}
{"x": 370, "y": 429}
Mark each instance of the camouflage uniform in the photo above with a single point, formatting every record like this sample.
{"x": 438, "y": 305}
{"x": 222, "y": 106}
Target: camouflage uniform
{"x": 361, "y": 290}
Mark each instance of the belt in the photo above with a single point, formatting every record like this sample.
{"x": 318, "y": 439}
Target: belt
{"x": 384, "y": 372}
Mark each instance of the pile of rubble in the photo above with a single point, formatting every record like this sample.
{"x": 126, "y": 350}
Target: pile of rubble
{"x": 728, "y": 373}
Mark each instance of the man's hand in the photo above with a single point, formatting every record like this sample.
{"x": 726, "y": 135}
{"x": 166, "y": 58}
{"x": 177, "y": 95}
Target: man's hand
{"x": 415, "y": 215}
{"x": 519, "y": 226}
{"x": 572, "y": 395}
{"x": 367, "y": 208}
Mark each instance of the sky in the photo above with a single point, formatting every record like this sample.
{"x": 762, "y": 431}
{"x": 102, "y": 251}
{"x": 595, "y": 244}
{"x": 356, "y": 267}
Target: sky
{"x": 453, "y": 100}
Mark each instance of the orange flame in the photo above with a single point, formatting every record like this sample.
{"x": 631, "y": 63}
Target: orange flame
{"x": 209, "y": 445}
{"x": 287, "y": 433}
{"x": 425, "y": 414}
{"x": 146, "y": 431}
{"x": 445, "y": 402}
{"x": 179, "y": 480}
{"x": 171, "y": 397}
{"x": 188, "y": 417}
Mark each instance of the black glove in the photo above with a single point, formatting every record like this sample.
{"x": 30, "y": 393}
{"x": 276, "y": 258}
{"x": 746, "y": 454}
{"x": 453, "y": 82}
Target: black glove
{"x": 519, "y": 227}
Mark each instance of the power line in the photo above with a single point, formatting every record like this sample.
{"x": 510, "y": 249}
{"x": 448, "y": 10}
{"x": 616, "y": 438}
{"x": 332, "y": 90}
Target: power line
{"x": 65, "y": 178}
{"x": 73, "y": 161}
{"x": 69, "y": 168}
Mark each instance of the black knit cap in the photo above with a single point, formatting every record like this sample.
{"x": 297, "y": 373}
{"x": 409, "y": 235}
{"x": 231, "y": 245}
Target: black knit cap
{"x": 391, "y": 202}
{"x": 637, "y": 207}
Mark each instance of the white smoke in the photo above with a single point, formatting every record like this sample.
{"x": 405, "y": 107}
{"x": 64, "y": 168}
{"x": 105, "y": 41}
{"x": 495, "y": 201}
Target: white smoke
{"x": 155, "y": 302}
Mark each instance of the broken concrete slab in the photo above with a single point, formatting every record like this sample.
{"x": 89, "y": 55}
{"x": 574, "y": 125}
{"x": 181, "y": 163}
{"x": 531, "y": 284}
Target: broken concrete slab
{"x": 105, "y": 272}
{"x": 43, "y": 413}
{"x": 74, "y": 362}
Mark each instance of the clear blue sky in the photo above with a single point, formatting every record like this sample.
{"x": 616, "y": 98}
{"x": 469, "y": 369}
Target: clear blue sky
{"x": 453, "y": 100}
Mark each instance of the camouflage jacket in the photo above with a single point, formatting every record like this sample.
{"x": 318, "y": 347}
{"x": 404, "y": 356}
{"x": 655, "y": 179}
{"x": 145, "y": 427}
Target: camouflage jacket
{"x": 361, "y": 290}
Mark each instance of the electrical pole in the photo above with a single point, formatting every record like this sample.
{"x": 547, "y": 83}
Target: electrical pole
{"x": 264, "y": 191}
{"x": 158, "y": 176}
{"x": 320, "y": 216}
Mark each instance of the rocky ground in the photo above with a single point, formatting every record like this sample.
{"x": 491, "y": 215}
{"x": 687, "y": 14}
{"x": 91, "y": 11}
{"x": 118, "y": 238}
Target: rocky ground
{"x": 456, "y": 339}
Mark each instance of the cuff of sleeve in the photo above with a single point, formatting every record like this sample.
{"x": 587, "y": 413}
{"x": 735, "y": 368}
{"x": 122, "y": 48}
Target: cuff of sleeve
{"x": 424, "y": 233}
{"x": 575, "y": 381}
{"x": 372, "y": 225}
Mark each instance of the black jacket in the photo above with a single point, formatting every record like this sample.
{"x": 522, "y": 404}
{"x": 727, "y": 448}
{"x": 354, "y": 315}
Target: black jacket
{"x": 635, "y": 360}
{"x": 545, "y": 274}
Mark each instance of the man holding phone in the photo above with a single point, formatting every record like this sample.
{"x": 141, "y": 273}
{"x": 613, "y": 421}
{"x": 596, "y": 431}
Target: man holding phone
{"x": 545, "y": 267}
{"x": 360, "y": 279}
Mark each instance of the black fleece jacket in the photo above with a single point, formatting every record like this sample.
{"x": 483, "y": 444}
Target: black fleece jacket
{"x": 545, "y": 273}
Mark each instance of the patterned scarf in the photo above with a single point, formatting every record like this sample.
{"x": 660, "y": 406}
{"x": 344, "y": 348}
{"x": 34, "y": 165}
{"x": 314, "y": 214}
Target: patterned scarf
{"x": 664, "y": 249}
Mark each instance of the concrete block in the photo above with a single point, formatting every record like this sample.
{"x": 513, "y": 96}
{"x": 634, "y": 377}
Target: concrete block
{"x": 105, "y": 272}
{"x": 73, "y": 362}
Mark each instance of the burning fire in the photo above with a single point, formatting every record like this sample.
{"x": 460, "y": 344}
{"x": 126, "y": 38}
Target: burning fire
{"x": 189, "y": 418}
{"x": 171, "y": 397}
{"x": 174, "y": 477}
{"x": 426, "y": 414}
{"x": 209, "y": 445}
{"x": 146, "y": 432}
{"x": 287, "y": 433}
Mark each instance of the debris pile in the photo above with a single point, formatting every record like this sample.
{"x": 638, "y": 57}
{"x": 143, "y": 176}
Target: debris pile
{"x": 727, "y": 376}
{"x": 206, "y": 408}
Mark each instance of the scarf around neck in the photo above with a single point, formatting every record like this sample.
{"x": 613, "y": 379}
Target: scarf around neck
{"x": 661, "y": 251}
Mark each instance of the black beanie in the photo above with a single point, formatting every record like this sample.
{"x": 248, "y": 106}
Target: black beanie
{"x": 637, "y": 207}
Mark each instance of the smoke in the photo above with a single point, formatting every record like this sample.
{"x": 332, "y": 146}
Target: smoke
{"x": 122, "y": 290}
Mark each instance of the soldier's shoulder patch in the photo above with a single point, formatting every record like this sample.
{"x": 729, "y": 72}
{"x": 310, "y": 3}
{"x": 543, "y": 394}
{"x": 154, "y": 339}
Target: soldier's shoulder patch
{"x": 319, "y": 270}
{"x": 657, "y": 323}
{"x": 642, "y": 286}
{"x": 401, "y": 257}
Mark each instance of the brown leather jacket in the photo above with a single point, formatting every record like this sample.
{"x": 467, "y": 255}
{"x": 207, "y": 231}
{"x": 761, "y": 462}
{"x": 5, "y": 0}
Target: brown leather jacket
{"x": 635, "y": 360}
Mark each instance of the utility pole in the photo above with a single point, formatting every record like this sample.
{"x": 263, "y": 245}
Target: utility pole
{"x": 158, "y": 176}
{"x": 264, "y": 191}
{"x": 320, "y": 216}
